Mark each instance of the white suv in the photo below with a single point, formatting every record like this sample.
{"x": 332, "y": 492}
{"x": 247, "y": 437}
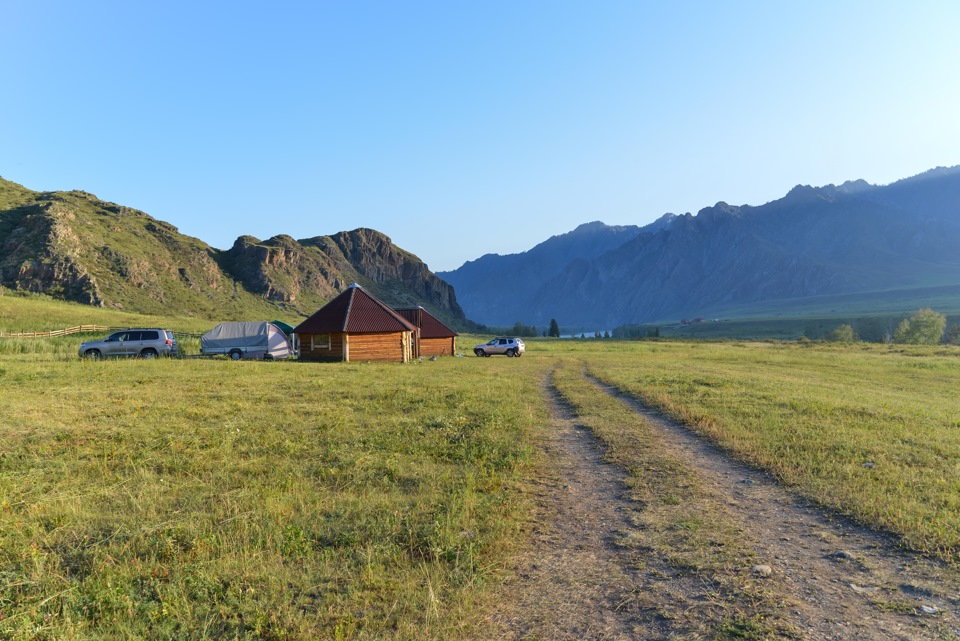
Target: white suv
{"x": 509, "y": 346}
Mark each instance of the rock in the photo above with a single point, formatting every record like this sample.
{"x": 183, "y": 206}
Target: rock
{"x": 869, "y": 465}
{"x": 843, "y": 555}
{"x": 762, "y": 570}
{"x": 863, "y": 590}
{"x": 928, "y": 609}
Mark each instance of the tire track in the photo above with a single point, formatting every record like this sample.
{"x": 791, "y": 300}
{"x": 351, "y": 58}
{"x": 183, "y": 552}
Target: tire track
{"x": 841, "y": 580}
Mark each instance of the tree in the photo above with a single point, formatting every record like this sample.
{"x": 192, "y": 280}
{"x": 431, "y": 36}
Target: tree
{"x": 554, "y": 328}
{"x": 841, "y": 334}
{"x": 606, "y": 334}
{"x": 923, "y": 328}
{"x": 953, "y": 336}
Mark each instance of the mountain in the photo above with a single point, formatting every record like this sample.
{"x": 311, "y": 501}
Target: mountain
{"x": 74, "y": 246}
{"x": 486, "y": 283}
{"x": 815, "y": 241}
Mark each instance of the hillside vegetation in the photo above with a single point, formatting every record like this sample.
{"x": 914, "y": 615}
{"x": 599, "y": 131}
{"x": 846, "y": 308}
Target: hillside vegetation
{"x": 74, "y": 246}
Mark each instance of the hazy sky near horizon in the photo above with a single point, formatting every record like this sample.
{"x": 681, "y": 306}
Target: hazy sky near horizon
{"x": 460, "y": 129}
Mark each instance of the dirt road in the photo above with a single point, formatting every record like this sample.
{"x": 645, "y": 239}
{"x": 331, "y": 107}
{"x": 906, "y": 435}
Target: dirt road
{"x": 830, "y": 578}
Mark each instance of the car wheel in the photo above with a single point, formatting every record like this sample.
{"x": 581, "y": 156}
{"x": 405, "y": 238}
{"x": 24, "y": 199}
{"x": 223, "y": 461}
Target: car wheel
{"x": 511, "y": 353}
{"x": 93, "y": 353}
{"x": 148, "y": 353}
{"x": 235, "y": 354}
{"x": 478, "y": 352}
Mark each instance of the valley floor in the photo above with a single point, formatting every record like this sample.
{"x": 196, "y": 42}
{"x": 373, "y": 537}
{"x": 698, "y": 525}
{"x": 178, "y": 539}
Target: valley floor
{"x": 588, "y": 490}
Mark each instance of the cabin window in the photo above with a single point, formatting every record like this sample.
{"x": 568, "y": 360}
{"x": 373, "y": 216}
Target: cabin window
{"x": 319, "y": 341}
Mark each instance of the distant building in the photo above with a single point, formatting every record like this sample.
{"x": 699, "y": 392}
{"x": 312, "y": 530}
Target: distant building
{"x": 356, "y": 326}
{"x": 433, "y": 338}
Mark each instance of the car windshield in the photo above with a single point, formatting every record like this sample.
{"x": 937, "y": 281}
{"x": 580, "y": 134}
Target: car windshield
{"x": 493, "y": 342}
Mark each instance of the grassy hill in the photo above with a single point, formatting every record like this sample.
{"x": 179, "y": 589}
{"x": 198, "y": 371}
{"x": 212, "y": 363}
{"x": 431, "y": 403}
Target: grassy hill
{"x": 74, "y": 246}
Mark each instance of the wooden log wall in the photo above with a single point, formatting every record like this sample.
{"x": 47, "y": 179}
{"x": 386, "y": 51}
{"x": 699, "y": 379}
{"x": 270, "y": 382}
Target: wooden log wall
{"x": 393, "y": 347}
{"x": 438, "y": 346}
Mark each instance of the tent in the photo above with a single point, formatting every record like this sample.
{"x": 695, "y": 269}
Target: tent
{"x": 257, "y": 339}
{"x": 287, "y": 329}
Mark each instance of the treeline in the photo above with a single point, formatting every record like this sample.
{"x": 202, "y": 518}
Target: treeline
{"x": 525, "y": 331}
{"x": 925, "y": 326}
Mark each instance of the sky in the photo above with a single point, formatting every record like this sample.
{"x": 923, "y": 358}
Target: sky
{"x": 465, "y": 128}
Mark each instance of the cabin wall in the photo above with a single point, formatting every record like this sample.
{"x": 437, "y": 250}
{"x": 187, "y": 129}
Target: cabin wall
{"x": 317, "y": 353}
{"x": 438, "y": 346}
{"x": 393, "y": 347}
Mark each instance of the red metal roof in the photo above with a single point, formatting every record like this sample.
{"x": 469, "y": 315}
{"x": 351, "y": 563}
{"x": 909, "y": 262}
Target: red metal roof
{"x": 356, "y": 312}
{"x": 429, "y": 326}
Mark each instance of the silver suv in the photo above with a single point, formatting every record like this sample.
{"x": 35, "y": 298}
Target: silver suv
{"x": 144, "y": 343}
{"x": 509, "y": 346}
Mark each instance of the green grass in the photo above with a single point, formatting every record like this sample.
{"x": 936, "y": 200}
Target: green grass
{"x": 37, "y": 313}
{"x": 211, "y": 499}
{"x": 871, "y": 431}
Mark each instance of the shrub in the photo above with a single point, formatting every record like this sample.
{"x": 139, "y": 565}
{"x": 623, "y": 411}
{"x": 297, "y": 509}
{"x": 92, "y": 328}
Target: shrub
{"x": 841, "y": 334}
{"x": 923, "y": 328}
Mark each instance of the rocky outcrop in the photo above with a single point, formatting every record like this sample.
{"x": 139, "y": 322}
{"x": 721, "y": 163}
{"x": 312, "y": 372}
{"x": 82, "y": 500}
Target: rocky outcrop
{"x": 41, "y": 254}
{"x": 375, "y": 256}
{"x": 281, "y": 269}
{"x": 73, "y": 246}
{"x": 303, "y": 272}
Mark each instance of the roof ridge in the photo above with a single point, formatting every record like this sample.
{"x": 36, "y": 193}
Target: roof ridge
{"x": 346, "y": 314}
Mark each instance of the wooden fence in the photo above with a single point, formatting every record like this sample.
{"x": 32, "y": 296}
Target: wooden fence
{"x": 57, "y": 332}
{"x": 81, "y": 329}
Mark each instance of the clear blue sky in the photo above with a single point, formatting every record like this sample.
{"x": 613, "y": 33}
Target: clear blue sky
{"x": 463, "y": 128}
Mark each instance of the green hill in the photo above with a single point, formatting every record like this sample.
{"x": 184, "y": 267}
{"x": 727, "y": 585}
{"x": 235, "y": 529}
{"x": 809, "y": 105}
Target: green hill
{"x": 73, "y": 246}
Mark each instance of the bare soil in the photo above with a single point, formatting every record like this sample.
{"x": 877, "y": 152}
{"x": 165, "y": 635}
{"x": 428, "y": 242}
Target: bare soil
{"x": 836, "y": 580}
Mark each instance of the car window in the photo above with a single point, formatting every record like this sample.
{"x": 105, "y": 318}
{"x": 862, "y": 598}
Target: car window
{"x": 149, "y": 336}
{"x": 134, "y": 336}
{"x": 503, "y": 341}
{"x": 119, "y": 336}
{"x": 168, "y": 334}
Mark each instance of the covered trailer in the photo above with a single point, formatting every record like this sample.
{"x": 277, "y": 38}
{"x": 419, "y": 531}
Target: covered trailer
{"x": 257, "y": 339}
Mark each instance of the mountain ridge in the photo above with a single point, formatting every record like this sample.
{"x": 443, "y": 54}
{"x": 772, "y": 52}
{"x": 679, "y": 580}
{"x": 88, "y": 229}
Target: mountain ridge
{"x": 854, "y": 237}
{"x": 74, "y": 246}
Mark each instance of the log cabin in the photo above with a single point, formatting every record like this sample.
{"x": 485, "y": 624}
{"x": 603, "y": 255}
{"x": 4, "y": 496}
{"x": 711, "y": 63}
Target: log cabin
{"x": 356, "y": 326}
{"x": 435, "y": 338}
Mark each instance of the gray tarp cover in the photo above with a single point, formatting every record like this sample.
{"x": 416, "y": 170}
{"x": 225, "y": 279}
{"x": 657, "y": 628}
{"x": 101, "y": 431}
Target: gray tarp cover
{"x": 249, "y": 336}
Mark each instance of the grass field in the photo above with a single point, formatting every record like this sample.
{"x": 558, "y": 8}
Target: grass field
{"x": 194, "y": 499}
{"x": 872, "y": 431}
{"x": 199, "y": 499}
